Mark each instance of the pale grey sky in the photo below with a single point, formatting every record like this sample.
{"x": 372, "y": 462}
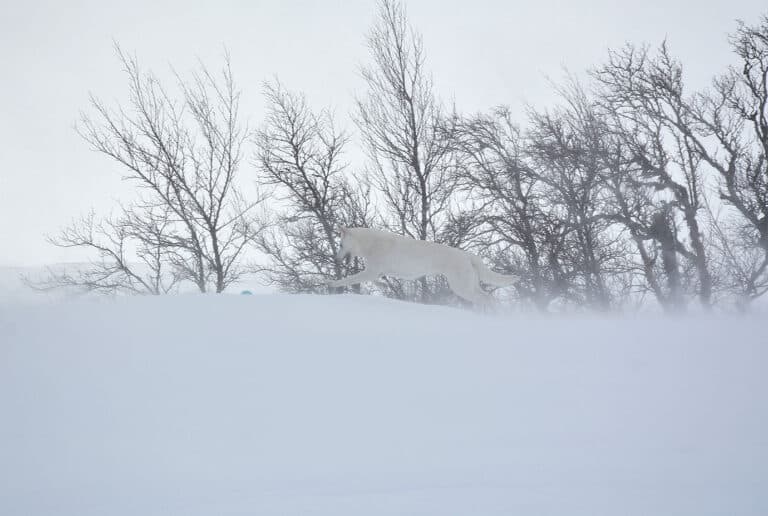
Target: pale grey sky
{"x": 482, "y": 53}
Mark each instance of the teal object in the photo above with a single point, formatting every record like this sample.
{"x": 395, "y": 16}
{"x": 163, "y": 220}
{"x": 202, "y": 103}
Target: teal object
{"x": 246, "y": 293}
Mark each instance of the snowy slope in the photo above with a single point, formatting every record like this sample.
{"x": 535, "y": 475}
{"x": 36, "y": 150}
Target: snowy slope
{"x": 350, "y": 405}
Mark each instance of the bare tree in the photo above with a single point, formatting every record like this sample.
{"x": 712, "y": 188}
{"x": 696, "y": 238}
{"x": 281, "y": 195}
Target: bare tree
{"x": 400, "y": 120}
{"x": 508, "y": 218}
{"x": 184, "y": 156}
{"x": 645, "y": 93}
{"x": 131, "y": 251}
{"x": 566, "y": 145}
{"x": 730, "y": 133}
{"x": 300, "y": 154}
{"x": 649, "y": 222}
{"x": 737, "y": 259}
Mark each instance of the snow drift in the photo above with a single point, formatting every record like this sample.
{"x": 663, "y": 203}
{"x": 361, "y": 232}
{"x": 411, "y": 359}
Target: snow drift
{"x": 352, "y": 405}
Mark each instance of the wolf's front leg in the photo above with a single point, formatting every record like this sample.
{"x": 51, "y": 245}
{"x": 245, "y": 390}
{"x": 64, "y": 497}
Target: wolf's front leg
{"x": 365, "y": 275}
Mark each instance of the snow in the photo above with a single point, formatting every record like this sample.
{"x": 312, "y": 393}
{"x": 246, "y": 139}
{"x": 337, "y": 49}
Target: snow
{"x": 354, "y": 405}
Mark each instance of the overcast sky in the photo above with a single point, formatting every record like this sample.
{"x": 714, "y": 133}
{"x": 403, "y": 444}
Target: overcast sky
{"x": 481, "y": 52}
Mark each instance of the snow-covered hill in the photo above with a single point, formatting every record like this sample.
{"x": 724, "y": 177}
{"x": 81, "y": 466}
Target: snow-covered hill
{"x": 351, "y": 405}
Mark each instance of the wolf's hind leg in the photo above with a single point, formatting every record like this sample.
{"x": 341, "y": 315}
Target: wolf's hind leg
{"x": 485, "y": 301}
{"x": 468, "y": 288}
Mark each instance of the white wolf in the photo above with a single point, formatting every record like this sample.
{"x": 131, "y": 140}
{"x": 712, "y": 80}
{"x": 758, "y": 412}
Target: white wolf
{"x": 388, "y": 254}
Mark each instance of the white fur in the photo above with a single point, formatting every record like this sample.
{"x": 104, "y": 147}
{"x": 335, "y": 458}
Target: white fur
{"x": 388, "y": 254}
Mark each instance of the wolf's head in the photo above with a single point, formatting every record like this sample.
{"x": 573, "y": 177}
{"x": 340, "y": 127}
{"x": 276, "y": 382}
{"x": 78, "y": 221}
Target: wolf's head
{"x": 347, "y": 245}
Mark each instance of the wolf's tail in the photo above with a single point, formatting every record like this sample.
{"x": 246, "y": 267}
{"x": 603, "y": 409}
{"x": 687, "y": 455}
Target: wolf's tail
{"x": 490, "y": 277}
